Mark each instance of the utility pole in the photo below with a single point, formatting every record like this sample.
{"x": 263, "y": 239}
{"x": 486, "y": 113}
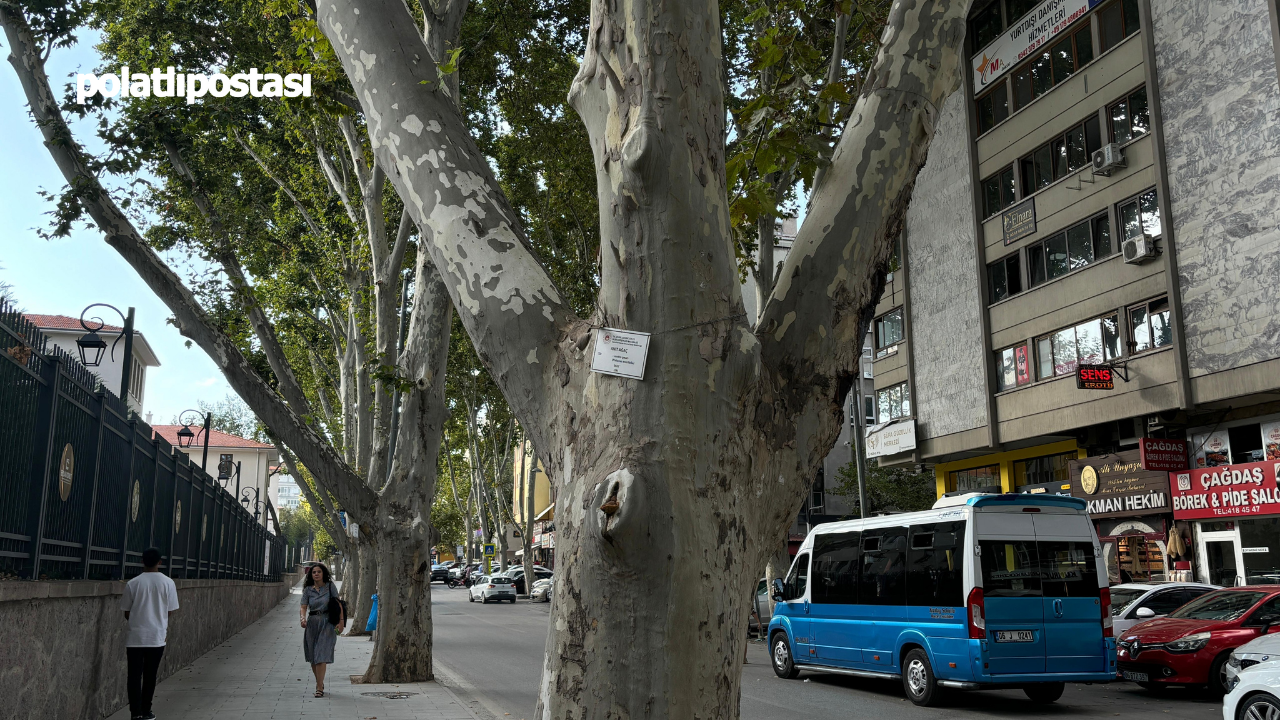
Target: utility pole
{"x": 859, "y": 445}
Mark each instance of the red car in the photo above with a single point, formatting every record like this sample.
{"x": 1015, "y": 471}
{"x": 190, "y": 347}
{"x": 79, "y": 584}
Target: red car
{"x": 1191, "y": 645}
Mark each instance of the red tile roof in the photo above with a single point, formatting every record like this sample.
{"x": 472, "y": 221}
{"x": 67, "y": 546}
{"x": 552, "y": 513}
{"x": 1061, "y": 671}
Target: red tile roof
{"x": 62, "y": 322}
{"x": 217, "y": 438}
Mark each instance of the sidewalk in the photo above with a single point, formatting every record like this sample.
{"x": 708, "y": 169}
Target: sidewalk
{"x": 260, "y": 673}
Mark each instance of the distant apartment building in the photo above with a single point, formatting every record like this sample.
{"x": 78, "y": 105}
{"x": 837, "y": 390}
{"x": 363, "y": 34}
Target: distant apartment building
{"x": 1092, "y": 258}
{"x": 288, "y": 493}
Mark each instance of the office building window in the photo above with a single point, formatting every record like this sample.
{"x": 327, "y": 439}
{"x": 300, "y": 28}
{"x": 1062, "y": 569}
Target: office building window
{"x": 1013, "y": 367}
{"x": 1050, "y": 468}
{"x": 973, "y": 479}
{"x": 1130, "y": 117}
{"x": 869, "y": 404}
{"x": 1052, "y": 65}
{"x": 894, "y": 403}
{"x": 1072, "y": 249}
{"x": 1092, "y": 343}
{"x": 1116, "y": 22}
{"x": 1140, "y": 216}
{"x": 1149, "y": 326}
{"x": 998, "y": 192}
{"x": 993, "y": 107}
{"x": 1005, "y": 276}
{"x": 888, "y": 332}
{"x": 987, "y": 24}
{"x": 1061, "y": 156}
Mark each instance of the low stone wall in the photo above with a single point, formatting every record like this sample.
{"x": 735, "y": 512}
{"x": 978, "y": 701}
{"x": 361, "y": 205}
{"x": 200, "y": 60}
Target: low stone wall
{"x": 62, "y": 653}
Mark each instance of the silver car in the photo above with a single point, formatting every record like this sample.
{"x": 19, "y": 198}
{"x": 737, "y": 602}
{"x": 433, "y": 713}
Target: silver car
{"x": 1132, "y": 603}
{"x": 542, "y": 589}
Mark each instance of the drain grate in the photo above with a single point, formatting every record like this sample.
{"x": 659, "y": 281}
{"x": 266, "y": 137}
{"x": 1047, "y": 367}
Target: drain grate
{"x": 391, "y": 695}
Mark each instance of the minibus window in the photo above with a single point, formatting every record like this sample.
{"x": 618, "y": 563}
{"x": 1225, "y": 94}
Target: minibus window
{"x": 1068, "y": 569}
{"x": 882, "y": 577}
{"x": 798, "y": 579}
{"x": 835, "y": 568}
{"x": 935, "y": 565}
{"x": 1009, "y": 568}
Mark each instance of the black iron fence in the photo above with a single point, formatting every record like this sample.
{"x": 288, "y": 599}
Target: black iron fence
{"x": 85, "y": 486}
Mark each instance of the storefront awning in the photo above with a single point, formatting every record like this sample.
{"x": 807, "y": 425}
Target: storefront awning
{"x": 548, "y": 514}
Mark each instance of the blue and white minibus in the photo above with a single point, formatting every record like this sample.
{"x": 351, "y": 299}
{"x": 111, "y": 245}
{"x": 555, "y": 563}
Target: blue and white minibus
{"x": 982, "y": 591}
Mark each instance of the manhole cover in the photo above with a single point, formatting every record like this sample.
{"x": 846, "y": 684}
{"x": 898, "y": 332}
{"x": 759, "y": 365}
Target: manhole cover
{"x": 390, "y": 695}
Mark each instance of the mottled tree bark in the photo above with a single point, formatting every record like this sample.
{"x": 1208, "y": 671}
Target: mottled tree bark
{"x": 671, "y": 487}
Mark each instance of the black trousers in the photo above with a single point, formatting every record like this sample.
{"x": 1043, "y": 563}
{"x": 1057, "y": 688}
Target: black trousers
{"x": 143, "y": 664}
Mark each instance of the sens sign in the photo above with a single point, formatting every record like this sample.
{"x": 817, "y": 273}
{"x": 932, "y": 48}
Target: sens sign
{"x": 1095, "y": 377}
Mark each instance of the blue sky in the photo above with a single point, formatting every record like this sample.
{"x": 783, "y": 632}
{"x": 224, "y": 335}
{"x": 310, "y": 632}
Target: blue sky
{"x": 63, "y": 276}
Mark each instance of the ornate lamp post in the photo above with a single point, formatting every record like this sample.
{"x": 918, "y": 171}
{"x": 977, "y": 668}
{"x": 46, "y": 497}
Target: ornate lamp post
{"x": 257, "y": 503}
{"x": 186, "y": 437}
{"x": 91, "y": 345}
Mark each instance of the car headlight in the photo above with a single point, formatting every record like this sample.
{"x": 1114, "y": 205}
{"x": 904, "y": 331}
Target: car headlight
{"x": 1233, "y": 661}
{"x": 1190, "y": 643}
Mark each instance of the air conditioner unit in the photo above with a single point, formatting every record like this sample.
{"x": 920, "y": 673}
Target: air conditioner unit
{"x": 1139, "y": 250}
{"x": 1107, "y": 159}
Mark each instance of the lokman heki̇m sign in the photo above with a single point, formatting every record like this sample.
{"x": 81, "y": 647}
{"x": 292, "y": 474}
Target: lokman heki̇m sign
{"x": 192, "y": 86}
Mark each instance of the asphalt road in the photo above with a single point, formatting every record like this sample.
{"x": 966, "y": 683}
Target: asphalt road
{"x": 491, "y": 655}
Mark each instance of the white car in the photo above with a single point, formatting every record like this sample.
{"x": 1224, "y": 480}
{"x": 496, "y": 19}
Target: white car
{"x": 1253, "y": 693}
{"x": 1132, "y": 603}
{"x": 492, "y": 587}
{"x": 1264, "y": 648}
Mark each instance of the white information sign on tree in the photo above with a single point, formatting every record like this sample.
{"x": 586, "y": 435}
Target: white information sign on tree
{"x": 620, "y": 352}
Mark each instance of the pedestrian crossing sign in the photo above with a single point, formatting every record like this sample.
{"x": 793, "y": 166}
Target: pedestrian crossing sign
{"x": 489, "y": 550}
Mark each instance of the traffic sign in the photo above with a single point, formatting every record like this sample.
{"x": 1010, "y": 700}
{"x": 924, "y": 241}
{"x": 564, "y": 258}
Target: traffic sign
{"x": 489, "y": 550}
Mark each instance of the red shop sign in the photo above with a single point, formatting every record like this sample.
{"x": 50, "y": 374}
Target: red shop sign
{"x": 1226, "y": 491}
{"x": 1162, "y": 454}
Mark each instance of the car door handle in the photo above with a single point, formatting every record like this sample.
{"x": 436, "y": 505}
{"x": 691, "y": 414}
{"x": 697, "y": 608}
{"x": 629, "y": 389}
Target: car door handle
{"x": 1057, "y": 608}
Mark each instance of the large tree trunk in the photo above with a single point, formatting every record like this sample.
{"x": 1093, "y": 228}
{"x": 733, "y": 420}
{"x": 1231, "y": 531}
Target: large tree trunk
{"x": 365, "y": 580}
{"x": 669, "y": 485}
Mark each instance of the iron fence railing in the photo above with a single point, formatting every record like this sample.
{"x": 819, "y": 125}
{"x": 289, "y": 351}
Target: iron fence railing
{"x": 86, "y": 486}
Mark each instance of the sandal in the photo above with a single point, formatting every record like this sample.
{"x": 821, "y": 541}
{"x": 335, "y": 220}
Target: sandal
{"x": 319, "y": 693}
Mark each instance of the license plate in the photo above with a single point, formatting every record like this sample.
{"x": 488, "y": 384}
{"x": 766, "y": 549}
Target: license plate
{"x": 1135, "y": 677}
{"x": 1015, "y": 636}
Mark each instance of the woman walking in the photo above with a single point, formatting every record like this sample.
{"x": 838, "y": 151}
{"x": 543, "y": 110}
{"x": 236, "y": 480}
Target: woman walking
{"x": 320, "y": 637}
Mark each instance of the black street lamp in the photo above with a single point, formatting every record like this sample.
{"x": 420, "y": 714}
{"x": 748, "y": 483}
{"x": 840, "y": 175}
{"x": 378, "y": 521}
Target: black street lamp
{"x": 186, "y": 438}
{"x": 257, "y": 503}
{"x": 91, "y": 345}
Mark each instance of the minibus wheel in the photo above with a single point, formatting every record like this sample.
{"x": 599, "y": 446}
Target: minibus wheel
{"x": 780, "y": 654}
{"x": 1044, "y": 692}
{"x": 918, "y": 680}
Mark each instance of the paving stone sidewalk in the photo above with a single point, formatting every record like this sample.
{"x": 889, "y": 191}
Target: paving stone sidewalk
{"x": 260, "y": 674}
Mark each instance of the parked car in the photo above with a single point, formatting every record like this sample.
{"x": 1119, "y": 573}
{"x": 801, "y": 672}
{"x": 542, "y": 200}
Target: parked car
{"x": 1192, "y": 645}
{"x": 1254, "y": 694}
{"x": 492, "y": 587}
{"x": 542, "y": 590}
{"x": 1132, "y": 603}
{"x": 1004, "y": 591}
{"x": 517, "y": 576}
{"x": 760, "y": 604}
{"x": 1263, "y": 648}
{"x": 440, "y": 572}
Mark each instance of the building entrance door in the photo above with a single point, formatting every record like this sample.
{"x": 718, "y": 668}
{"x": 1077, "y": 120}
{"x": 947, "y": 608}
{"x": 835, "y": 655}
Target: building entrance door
{"x": 1222, "y": 561}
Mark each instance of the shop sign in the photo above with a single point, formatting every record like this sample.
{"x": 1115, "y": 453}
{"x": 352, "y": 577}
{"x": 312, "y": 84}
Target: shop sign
{"x": 1019, "y": 221}
{"x": 891, "y": 439}
{"x": 1163, "y": 454}
{"x": 1226, "y": 491}
{"x": 1117, "y": 486}
{"x": 1095, "y": 377}
{"x": 1034, "y": 30}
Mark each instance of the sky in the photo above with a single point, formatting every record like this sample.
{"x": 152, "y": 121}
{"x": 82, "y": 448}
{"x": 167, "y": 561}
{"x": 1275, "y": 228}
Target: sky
{"x": 63, "y": 276}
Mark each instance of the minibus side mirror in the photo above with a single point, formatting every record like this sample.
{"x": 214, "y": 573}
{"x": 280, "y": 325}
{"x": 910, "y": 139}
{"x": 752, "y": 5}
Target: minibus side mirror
{"x": 778, "y": 594}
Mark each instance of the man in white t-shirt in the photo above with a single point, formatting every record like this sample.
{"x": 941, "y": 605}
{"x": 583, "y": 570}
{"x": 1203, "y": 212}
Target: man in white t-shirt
{"x": 148, "y": 601}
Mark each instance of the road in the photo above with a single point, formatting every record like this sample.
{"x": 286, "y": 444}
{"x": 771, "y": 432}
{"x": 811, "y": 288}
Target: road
{"x": 491, "y": 655}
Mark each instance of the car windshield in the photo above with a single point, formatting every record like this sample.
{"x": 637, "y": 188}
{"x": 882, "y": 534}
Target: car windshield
{"x": 1122, "y": 598}
{"x": 1221, "y": 605}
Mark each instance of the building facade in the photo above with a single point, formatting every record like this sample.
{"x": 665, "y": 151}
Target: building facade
{"x": 241, "y": 465}
{"x": 1090, "y": 261}
{"x": 63, "y": 331}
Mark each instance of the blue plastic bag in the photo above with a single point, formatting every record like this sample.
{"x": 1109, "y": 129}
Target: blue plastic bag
{"x": 373, "y": 616}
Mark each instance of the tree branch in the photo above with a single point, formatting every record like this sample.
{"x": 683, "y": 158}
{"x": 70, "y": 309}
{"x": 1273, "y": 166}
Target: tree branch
{"x": 814, "y": 321}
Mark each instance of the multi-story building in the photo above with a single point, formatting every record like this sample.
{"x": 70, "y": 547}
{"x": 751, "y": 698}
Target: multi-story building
{"x": 243, "y": 466}
{"x": 64, "y": 331}
{"x": 1101, "y": 191}
{"x": 288, "y": 493}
